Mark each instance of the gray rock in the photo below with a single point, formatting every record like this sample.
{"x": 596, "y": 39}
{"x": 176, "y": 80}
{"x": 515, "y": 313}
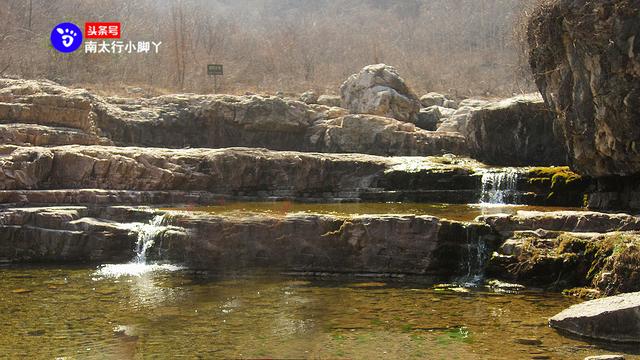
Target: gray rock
{"x": 379, "y": 90}
{"x": 432, "y": 99}
{"x": 451, "y": 104}
{"x": 615, "y": 318}
{"x": 473, "y": 103}
{"x": 237, "y": 171}
{"x": 605, "y": 357}
{"x": 292, "y": 242}
{"x": 428, "y": 118}
{"x": 330, "y": 100}
{"x": 309, "y": 97}
{"x": 33, "y": 117}
{"x": 381, "y": 136}
{"x": 514, "y": 132}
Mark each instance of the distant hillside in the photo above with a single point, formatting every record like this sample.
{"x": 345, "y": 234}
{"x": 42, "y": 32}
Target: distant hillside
{"x": 451, "y": 46}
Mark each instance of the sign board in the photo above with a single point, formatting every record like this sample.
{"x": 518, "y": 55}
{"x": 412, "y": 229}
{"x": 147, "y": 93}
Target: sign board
{"x": 214, "y": 69}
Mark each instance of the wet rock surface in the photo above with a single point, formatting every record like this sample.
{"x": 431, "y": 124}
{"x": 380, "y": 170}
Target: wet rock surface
{"x": 615, "y": 318}
{"x": 297, "y": 242}
{"x": 568, "y": 249}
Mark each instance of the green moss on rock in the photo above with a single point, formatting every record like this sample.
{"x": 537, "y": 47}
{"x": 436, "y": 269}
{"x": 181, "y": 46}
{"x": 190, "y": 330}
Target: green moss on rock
{"x": 557, "y": 185}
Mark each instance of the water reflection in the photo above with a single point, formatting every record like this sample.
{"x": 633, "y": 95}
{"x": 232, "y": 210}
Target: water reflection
{"x": 144, "y": 282}
{"x": 81, "y": 313}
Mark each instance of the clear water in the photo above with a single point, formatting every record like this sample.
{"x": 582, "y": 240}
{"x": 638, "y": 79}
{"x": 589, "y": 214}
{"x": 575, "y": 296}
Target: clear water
{"x": 79, "y": 314}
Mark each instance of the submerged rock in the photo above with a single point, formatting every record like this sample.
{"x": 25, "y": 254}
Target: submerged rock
{"x": 615, "y": 318}
{"x": 586, "y": 62}
{"x": 379, "y": 90}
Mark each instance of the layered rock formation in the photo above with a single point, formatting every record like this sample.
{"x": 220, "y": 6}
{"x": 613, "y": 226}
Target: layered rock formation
{"x": 236, "y": 172}
{"x": 379, "y": 90}
{"x": 44, "y": 113}
{"x": 586, "y": 62}
{"x": 420, "y": 245}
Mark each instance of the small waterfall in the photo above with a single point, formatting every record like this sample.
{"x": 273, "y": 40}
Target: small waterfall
{"x": 499, "y": 187}
{"x": 477, "y": 255}
{"x": 147, "y": 234}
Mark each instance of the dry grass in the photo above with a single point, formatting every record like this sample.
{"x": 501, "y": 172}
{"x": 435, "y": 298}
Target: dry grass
{"x": 461, "y": 48}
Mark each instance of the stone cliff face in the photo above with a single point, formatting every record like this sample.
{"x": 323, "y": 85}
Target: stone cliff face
{"x": 585, "y": 57}
{"x": 515, "y": 132}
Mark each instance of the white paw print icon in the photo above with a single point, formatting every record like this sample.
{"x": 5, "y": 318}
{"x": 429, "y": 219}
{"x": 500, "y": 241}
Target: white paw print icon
{"x": 68, "y": 36}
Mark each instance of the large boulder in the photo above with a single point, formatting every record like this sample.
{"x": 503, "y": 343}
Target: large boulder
{"x": 518, "y": 131}
{"x": 585, "y": 56}
{"x": 615, "y": 318}
{"x": 379, "y": 90}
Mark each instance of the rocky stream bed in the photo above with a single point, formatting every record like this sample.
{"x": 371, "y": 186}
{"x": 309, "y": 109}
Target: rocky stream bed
{"x": 88, "y": 180}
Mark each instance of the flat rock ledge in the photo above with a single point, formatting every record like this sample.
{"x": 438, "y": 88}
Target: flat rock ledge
{"x": 615, "y": 318}
{"x": 31, "y": 175}
{"x": 298, "y": 242}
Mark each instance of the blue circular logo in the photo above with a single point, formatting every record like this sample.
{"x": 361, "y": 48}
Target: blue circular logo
{"x": 66, "y": 37}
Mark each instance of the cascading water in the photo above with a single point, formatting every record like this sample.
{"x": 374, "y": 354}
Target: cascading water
{"x": 476, "y": 259}
{"x": 147, "y": 234}
{"x": 499, "y": 187}
{"x": 139, "y": 265}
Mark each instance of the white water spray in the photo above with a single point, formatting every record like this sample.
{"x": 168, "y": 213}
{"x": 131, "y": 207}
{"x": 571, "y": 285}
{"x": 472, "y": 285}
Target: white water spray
{"x": 499, "y": 187}
{"x": 147, "y": 235}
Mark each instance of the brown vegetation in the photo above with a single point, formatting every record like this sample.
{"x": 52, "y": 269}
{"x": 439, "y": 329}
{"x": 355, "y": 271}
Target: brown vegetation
{"x": 463, "y": 46}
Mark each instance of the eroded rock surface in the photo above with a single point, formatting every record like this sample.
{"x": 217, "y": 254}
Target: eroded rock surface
{"x": 381, "y": 136}
{"x": 43, "y": 113}
{"x": 518, "y": 131}
{"x": 568, "y": 249}
{"x": 585, "y": 57}
{"x": 420, "y": 245}
{"x": 234, "y": 172}
{"x": 379, "y": 90}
